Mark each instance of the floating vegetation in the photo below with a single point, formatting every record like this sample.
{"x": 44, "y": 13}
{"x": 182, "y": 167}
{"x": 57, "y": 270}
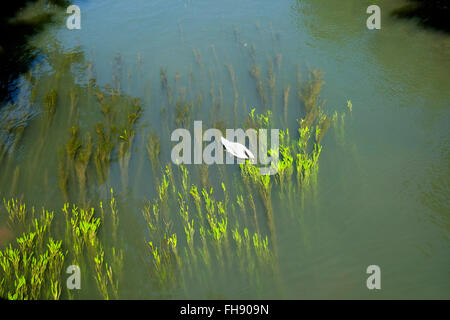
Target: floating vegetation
{"x": 154, "y": 150}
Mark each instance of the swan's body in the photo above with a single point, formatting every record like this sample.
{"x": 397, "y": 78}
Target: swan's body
{"x": 236, "y": 149}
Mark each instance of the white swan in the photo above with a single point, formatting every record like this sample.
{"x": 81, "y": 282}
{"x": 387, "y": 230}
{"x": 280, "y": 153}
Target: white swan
{"x": 236, "y": 149}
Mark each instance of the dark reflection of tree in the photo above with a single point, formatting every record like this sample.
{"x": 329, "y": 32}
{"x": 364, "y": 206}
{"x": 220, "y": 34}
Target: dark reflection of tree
{"x": 20, "y": 19}
{"x": 430, "y": 13}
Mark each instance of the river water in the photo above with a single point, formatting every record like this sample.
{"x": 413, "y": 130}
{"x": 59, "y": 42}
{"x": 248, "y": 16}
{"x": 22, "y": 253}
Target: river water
{"x": 382, "y": 190}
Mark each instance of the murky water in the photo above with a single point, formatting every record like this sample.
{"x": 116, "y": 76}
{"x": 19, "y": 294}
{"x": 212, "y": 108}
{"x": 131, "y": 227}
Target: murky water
{"x": 381, "y": 194}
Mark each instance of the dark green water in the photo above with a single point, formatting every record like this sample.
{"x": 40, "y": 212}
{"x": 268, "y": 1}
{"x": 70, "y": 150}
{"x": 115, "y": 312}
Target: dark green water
{"x": 382, "y": 190}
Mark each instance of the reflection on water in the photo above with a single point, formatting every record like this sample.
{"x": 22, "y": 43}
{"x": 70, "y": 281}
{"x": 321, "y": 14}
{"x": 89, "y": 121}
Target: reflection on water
{"x": 91, "y": 126}
{"x": 430, "y": 13}
{"x": 20, "y": 21}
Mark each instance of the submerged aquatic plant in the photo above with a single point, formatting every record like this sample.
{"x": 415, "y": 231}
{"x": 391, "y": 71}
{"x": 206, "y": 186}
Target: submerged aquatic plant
{"x": 154, "y": 150}
{"x": 134, "y": 112}
{"x": 50, "y": 104}
{"x": 190, "y": 227}
{"x": 30, "y": 270}
{"x": 255, "y": 72}
{"x": 285, "y": 102}
{"x": 183, "y": 114}
{"x": 81, "y": 163}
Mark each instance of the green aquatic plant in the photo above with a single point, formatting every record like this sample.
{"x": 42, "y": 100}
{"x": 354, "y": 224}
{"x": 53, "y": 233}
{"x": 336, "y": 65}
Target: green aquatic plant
{"x": 286, "y": 91}
{"x": 29, "y": 272}
{"x": 169, "y": 172}
{"x": 50, "y": 104}
{"x": 133, "y": 113}
{"x": 100, "y": 278}
{"x": 339, "y": 126}
{"x": 307, "y": 165}
{"x": 126, "y": 140}
{"x": 183, "y": 114}
{"x": 217, "y": 223}
{"x": 272, "y": 83}
{"x": 41, "y": 226}
{"x": 197, "y": 233}
{"x": 104, "y": 147}
{"x": 163, "y": 78}
{"x": 255, "y": 72}
{"x": 309, "y": 94}
{"x": 264, "y": 186}
{"x": 349, "y": 105}
{"x": 188, "y": 227}
{"x": 73, "y": 102}
{"x": 15, "y": 179}
{"x": 81, "y": 163}
{"x": 285, "y": 166}
{"x": 63, "y": 174}
{"x": 198, "y": 204}
{"x": 108, "y": 103}
{"x": 258, "y": 121}
{"x": 73, "y": 144}
{"x": 154, "y": 151}
{"x": 232, "y": 75}
{"x": 322, "y": 127}
{"x": 114, "y": 216}
{"x": 184, "y": 173}
{"x": 105, "y": 277}
{"x": 82, "y": 232}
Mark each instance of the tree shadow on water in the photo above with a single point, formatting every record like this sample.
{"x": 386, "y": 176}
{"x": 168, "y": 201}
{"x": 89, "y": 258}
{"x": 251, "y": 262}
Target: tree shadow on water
{"x": 432, "y": 14}
{"x": 19, "y": 21}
